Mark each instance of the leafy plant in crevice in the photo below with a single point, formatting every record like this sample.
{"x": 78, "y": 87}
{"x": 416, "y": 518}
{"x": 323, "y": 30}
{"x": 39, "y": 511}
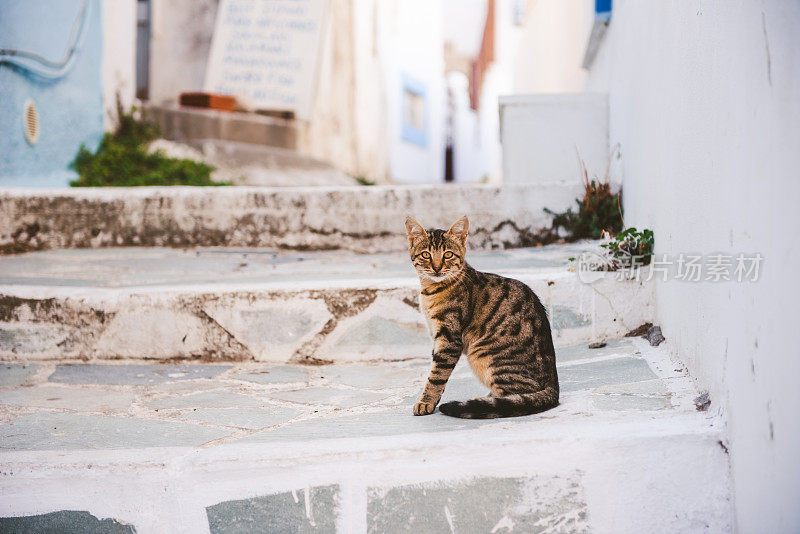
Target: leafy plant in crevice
{"x": 600, "y": 209}
{"x": 631, "y": 245}
{"x": 122, "y": 159}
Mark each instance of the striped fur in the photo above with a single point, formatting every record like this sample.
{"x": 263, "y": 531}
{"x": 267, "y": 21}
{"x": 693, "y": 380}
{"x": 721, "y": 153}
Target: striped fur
{"x": 499, "y": 323}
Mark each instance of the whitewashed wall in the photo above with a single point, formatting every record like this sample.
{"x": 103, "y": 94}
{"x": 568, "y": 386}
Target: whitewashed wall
{"x": 545, "y": 134}
{"x": 705, "y": 102}
{"x": 180, "y": 42}
{"x": 119, "y": 56}
{"x": 550, "y": 47}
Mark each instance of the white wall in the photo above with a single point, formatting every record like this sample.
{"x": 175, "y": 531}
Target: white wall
{"x": 372, "y": 134}
{"x": 551, "y": 46}
{"x": 463, "y": 24}
{"x": 705, "y": 102}
{"x": 119, "y": 56}
{"x": 544, "y": 134}
{"x": 180, "y": 42}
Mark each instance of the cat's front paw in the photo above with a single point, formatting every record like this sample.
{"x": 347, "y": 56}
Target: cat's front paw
{"x": 424, "y": 408}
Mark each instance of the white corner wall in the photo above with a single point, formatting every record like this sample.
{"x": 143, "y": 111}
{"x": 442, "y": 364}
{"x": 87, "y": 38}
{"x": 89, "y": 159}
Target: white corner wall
{"x": 541, "y": 134}
{"x": 119, "y": 57}
{"x": 705, "y": 102}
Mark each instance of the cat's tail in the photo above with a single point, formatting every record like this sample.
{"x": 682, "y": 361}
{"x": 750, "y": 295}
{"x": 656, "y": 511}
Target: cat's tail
{"x": 508, "y": 406}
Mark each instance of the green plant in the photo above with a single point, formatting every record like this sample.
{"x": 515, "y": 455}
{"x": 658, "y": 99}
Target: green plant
{"x": 363, "y": 180}
{"x": 122, "y": 159}
{"x": 631, "y": 245}
{"x": 600, "y": 209}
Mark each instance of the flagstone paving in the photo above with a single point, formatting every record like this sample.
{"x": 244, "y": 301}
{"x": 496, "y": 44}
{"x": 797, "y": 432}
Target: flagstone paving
{"x": 249, "y": 446}
{"x": 112, "y": 405}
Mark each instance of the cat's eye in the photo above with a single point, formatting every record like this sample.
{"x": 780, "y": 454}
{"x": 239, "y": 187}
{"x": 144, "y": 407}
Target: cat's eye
{"x": 448, "y": 255}
{"x": 426, "y": 255}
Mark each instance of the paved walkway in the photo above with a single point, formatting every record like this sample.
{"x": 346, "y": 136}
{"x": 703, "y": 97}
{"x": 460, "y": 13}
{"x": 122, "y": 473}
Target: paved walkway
{"x": 249, "y": 447}
{"x": 133, "y": 405}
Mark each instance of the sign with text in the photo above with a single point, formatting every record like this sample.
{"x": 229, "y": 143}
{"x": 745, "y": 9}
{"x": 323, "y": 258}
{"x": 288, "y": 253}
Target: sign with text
{"x": 267, "y": 51}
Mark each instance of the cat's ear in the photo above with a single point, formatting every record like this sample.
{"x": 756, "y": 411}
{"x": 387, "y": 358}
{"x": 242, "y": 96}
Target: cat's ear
{"x": 460, "y": 229}
{"x": 414, "y": 230}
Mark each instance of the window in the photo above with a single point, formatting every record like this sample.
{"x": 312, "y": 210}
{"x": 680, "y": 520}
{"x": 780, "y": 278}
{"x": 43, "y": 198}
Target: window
{"x": 414, "y": 112}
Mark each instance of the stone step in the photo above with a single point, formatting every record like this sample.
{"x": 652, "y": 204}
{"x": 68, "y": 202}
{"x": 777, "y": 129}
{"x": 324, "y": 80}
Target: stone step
{"x": 356, "y": 218}
{"x": 266, "y": 305}
{"x": 243, "y": 447}
{"x": 249, "y": 164}
{"x": 185, "y": 124}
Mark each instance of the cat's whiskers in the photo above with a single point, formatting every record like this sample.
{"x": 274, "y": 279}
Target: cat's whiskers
{"x": 445, "y": 278}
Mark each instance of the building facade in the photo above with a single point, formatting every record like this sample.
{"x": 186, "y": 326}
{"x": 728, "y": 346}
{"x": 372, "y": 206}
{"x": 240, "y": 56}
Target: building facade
{"x": 51, "y": 88}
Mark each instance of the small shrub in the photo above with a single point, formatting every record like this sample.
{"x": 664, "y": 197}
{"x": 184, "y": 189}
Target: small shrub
{"x": 629, "y": 244}
{"x": 122, "y": 159}
{"x": 600, "y": 210}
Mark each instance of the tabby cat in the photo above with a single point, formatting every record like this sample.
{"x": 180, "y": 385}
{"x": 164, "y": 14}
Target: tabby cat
{"x": 498, "y": 322}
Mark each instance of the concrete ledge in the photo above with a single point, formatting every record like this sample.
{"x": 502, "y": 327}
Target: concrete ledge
{"x": 359, "y": 218}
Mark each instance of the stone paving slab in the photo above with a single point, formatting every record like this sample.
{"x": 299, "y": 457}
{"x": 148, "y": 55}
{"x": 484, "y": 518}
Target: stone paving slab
{"x": 306, "y": 510}
{"x": 16, "y": 374}
{"x": 63, "y": 522}
{"x": 602, "y": 373}
{"x": 120, "y": 405}
{"x": 210, "y": 399}
{"x": 151, "y": 267}
{"x": 278, "y": 374}
{"x": 57, "y": 396}
{"x": 242, "y": 417}
{"x": 361, "y": 376}
{"x": 326, "y": 396}
{"x": 130, "y": 375}
{"x": 480, "y": 505}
